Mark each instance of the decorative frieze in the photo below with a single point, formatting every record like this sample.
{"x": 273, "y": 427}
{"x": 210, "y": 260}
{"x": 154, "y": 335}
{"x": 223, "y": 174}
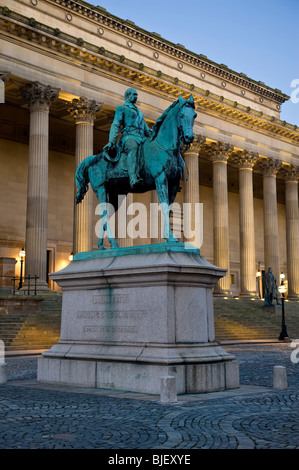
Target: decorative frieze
{"x": 129, "y": 29}
{"x": 126, "y": 69}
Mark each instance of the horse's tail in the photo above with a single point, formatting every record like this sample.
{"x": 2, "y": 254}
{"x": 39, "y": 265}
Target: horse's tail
{"x": 82, "y": 177}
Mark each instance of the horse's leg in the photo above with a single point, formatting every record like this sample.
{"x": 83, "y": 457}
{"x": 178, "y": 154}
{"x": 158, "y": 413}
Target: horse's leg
{"x": 162, "y": 191}
{"x": 105, "y": 226}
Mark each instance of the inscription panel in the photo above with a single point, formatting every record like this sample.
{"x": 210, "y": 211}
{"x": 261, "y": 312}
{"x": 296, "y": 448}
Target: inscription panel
{"x": 110, "y": 299}
{"x": 118, "y": 315}
{"x": 110, "y": 329}
{"x": 110, "y": 323}
{"x": 111, "y": 314}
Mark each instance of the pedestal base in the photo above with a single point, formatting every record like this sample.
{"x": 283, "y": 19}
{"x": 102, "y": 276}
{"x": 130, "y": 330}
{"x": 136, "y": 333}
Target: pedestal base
{"x": 134, "y": 315}
{"x": 3, "y": 373}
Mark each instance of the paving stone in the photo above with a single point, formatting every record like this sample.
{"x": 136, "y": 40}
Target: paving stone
{"x": 35, "y": 416}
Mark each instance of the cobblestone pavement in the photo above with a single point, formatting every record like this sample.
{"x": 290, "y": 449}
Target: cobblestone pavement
{"x": 36, "y": 416}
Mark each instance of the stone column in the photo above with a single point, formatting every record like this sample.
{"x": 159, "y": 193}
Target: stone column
{"x": 220, "y": 153}
{"x": 245, "y": 161}
{"x": 84, "y": 112}
{"x": 39, "y": 98}
{"x": 292, "y": 231}
{"x": 271, "y": 250}
{"x": 4, "y": 77}
{"x": 191, "y": 189}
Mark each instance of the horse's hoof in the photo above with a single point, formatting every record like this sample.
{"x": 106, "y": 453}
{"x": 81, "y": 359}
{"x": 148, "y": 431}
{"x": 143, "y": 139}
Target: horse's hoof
{"x": 113, "y": 244}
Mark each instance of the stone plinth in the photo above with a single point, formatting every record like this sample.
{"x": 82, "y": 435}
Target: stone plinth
{"x": 3, "y": 373}
{"x": 134, "y": 315}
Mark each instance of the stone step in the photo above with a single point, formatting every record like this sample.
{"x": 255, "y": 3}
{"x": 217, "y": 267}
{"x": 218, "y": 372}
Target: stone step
{"x": 239, "y": 319}
{"x": 38, "y": 331}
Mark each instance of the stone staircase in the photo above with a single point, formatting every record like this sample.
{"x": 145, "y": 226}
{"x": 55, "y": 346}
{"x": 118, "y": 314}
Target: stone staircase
{"x": 248, "y": 320}
{"x": 31, "y": 330}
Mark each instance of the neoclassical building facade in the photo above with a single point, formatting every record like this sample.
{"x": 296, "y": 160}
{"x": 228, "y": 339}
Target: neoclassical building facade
{"x": 64, "y": 68}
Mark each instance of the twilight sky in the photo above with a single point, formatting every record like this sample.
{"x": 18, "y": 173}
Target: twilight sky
{"x": 258, "y": 37}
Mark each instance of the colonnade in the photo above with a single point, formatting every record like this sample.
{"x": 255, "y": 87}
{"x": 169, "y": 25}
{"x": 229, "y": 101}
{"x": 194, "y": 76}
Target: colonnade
{"x": 40, "y": 97}
{"x": 220, "y": 154}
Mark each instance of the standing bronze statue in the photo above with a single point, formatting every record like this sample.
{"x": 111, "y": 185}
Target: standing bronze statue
{"x": 271, "y": 290}
{"x": 142, "y": 160}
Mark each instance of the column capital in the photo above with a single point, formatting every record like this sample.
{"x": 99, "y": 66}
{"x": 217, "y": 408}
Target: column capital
{"x": 84, "y": 110}
{"x": 290, "y": 173}
{"x": 195, "y": 147}
{"x": 39, "y": 96}
{"x": 219, "y": 151}
{"x": 4, "y": 76}
{"x": 270, "y": 166}
{"x": 244, "y": 159}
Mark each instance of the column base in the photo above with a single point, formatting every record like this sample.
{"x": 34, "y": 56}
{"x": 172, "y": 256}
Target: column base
{"x": 293, "y": 297}
{"x": 249, "y": 295}
{"x": 41, "y": 288}
{"x": 223, "y": 293}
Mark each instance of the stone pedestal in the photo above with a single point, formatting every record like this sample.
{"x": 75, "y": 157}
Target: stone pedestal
{"x": 3, "y": 373}
{"x": 134, "y": 315}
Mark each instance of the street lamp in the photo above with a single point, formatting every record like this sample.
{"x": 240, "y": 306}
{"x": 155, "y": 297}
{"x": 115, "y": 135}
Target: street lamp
{"x": 22, "y": 256}
{"x": 282, "y": 290}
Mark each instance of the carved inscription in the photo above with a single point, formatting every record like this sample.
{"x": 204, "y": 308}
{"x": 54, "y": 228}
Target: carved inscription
{"x": 112, "y": 315}
{"x": 110, "y": 329}
{"x": 123, "y": 314}
{"x": 110, "y": 299}
{"x": 111, "y": 321}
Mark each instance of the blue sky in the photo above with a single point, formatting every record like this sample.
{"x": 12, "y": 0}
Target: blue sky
{"x": 258, "y": 37}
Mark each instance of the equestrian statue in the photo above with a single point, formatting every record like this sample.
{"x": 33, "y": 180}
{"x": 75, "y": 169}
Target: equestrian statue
{"x": 141, "y": 160}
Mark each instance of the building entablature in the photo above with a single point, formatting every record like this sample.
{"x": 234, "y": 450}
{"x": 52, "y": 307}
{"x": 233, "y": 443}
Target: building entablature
{"x": 223, "y": 152}
{"x": 92, "y": 60}
{"x": 107, "y": 32}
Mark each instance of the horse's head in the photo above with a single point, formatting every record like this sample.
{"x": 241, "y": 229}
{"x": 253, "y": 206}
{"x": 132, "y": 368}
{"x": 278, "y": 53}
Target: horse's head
{"x": 187, "y": 116}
